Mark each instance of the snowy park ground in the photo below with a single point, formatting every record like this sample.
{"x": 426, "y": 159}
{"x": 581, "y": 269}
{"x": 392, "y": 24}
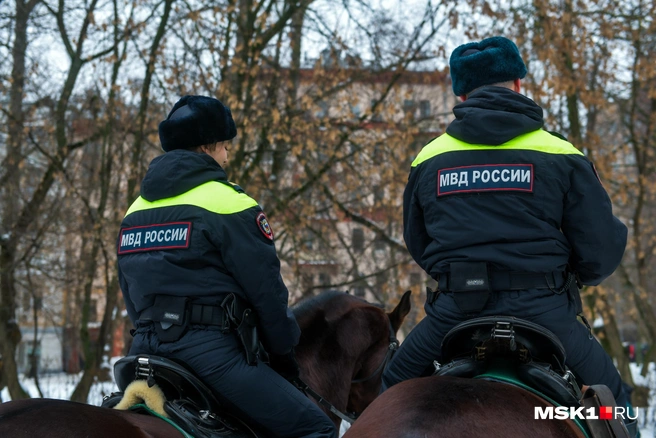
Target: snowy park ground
{"x": 60, "y": 386}
{"x": 647, "y": 414}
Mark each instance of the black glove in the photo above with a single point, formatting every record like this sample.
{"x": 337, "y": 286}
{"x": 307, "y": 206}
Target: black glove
{"x": 285, "y": 365}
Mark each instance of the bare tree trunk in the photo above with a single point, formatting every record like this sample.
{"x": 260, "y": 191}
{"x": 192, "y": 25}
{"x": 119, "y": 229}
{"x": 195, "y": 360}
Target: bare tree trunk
{"x": 646, "y": 312}
{"x": 134, "y": 177}
{"x": 279, "y": 155}
{"x": 641, "y": 144}
{"x": 91, "y": 362}
{"x": 28, "y": 213}
{"x": 9, "y": 330}
{"x": 11, "y": 189}
{"x": 34, "y": 358}
{"x": 613, "y": 340}
{"x": 94, "y": 356}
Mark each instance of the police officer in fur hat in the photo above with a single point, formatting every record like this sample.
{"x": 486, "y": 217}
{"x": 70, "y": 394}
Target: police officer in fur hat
{"x": 196, "y": 258}
{"x": 505, "y": 215}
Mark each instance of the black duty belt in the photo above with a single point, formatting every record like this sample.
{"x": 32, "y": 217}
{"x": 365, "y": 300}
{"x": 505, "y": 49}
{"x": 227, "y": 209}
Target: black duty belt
{"x": 509, "y": 281}
{"x": 199, "y": 314}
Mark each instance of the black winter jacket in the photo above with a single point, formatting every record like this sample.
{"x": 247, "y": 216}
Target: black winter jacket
{"x": 192, "y": 233}
{"x": 497, "y": 188}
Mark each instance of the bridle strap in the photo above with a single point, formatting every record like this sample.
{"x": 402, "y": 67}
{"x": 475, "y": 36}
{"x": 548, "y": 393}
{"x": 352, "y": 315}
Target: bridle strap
{"x": 391, "y": 349}
{"x": 349, "y": 418}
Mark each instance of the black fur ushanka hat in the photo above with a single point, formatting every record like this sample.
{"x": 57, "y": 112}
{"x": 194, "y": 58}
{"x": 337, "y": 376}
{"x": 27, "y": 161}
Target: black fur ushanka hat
{"x": 488, "y": 62}
{"x": 196, "y": 121}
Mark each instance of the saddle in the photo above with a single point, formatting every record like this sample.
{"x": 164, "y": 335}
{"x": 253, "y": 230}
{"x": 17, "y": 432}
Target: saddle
{"x": 532, "y": 352}
{"x": 190, "y": 404}
{"x": 519, "y": 352}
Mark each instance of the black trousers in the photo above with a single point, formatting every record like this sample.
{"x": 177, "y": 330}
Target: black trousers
{"x": 585, "y": 356}
{"x": 258, "y": 391}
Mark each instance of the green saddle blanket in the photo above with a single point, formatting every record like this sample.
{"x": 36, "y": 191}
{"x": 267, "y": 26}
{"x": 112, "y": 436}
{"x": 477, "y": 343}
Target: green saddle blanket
{"x": 506, "y": 375}
{"x": 143, "y": 408}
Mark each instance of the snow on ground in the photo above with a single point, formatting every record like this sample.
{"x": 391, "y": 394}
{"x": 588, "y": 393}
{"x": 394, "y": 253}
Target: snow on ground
{"x": 646, "y": 415}
{"x": 648, "y": 431}
{"x": 61, "y": 386}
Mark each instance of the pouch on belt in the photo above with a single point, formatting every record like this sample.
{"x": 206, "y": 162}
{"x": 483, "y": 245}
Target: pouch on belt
{"x": 171, "y": 316}
{"x": 470, "y": 284}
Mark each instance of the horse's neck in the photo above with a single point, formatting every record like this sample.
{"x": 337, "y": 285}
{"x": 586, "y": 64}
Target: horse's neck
{"x": 327, "y": 366}
{"x": 327, "y": 372}
{"x": 336, "y": 377}
{"x": 332, "y": 380}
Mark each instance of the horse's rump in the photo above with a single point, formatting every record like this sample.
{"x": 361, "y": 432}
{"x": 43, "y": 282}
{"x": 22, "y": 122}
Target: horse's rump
{"x": 451, "y": 407}
{"x": 61, "y": 418}
{"x": 355, "y": 341}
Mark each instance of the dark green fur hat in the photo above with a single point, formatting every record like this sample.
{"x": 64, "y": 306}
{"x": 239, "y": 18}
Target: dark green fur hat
{"x": 490, "y": 61}
{"x": 196, "y": 121}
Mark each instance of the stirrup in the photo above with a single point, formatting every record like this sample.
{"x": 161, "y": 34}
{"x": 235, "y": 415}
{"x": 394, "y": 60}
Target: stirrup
{"x": 597, "y": 396}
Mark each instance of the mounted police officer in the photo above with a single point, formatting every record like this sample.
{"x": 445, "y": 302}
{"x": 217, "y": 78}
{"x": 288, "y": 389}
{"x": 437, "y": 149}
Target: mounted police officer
{"x": 201, "y": 277}
{"x": 499, "y": 199}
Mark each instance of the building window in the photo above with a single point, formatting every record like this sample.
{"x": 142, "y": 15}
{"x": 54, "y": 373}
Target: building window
{"x": 379, "y": 153}
{"x": 324, "y": 279}
{"x": 308, "y": 240}
{"x": 409, "y": 107}
{"x": 323, "y": 109}
{"x": 93, "y": 311}
{"x": 358, "y": 239}
{"x": 356, "y": 110}
{"x": 26, "y": 302}
{"x": 379, "y": 194}
{"x": 424, "y": 109}
{"x": 267, "y": 158}
{"x": 380, "y": 246}
{"x": 307, "y": 281}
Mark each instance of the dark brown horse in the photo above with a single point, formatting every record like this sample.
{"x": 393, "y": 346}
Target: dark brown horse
{"x": 344, "y": 346}
{"x": 452, "y": 407}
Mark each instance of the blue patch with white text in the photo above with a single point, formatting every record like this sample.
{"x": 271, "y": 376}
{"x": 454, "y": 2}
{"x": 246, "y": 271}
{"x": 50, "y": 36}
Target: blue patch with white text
{"x": 485, "y": 178}
{"x": 173, "y": 235}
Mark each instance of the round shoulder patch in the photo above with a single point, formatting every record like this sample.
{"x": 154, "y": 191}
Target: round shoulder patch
{"x": 263, "y": 225}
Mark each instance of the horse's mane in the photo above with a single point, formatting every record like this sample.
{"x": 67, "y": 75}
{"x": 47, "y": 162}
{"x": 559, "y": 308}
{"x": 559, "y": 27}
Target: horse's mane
{"x": 312, "y": 304}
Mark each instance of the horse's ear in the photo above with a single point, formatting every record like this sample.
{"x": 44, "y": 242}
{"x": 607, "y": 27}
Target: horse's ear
{"x": 401, "y": 310}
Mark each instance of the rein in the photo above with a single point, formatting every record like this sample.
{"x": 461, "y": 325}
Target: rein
{"x": 351, "y": 417}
